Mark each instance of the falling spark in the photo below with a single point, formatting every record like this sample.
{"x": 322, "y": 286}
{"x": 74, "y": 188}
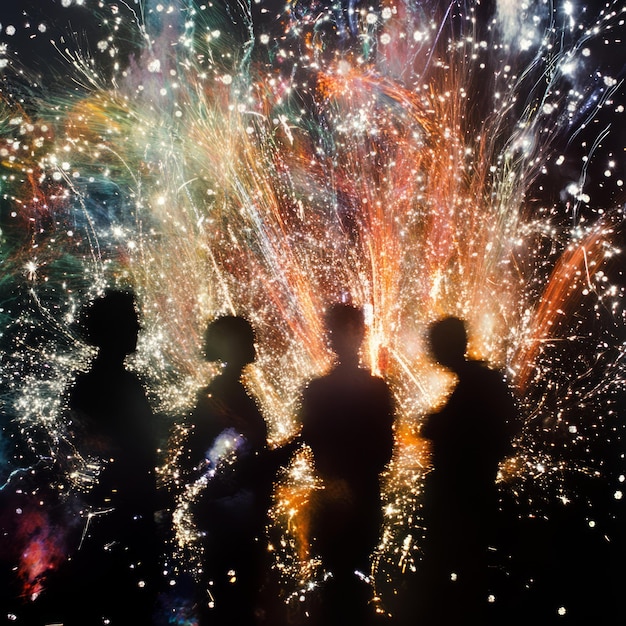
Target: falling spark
{"x": 267, "y": 162}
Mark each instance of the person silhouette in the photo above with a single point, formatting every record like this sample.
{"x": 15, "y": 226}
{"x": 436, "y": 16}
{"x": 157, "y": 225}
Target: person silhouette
{"x": 228, "y": 445}
{"x": 114, "y": 572}
{"x": 469, "y": 436}
{"x": 347, "y": 421}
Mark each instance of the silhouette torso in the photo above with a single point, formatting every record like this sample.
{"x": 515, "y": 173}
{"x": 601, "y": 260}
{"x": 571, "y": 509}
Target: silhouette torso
{"x": 472, "y": 432}
{"x": 118, "y": 426}
{"x": 347, "y": 419}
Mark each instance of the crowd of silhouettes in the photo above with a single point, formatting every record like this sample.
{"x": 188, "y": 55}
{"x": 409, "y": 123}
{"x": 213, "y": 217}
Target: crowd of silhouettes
{"x": 346, "y": 419}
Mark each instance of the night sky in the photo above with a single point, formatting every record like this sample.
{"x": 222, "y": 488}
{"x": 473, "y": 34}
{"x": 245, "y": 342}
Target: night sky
{"x": 389, "y": 158}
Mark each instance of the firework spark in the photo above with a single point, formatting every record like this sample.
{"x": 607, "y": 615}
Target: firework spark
{"x": 267, "y": 161}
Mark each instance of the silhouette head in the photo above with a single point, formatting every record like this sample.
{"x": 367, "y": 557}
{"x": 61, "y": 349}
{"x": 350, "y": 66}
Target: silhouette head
{"x": 230, "y": 339}
{"x": 448, "y": 342}
{"x": 345, "y": 325}
{"x": 111, "y": 323}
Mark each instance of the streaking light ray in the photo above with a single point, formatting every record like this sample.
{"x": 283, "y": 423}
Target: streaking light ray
{"x": 419, "y": 160}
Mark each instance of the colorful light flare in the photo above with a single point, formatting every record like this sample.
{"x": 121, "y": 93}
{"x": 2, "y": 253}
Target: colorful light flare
{"x": 267, "y": 161}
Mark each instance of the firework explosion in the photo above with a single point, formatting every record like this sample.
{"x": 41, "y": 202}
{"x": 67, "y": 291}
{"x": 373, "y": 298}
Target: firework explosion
{"x": 416, "y": 159}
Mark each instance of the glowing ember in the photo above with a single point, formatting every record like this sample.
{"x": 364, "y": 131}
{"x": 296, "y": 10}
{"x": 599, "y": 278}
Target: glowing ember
{"x": 267, "y": 160}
